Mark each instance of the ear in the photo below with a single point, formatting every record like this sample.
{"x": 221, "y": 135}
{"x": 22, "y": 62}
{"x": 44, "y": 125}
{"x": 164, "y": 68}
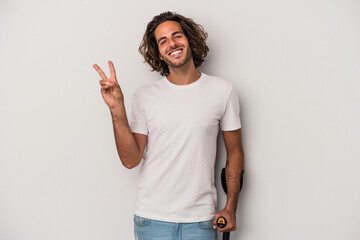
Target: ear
{"x": 161, "y": 58}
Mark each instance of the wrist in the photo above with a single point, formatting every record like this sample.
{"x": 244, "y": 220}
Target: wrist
{"x": 118, "y": 112}
{"x": 230, "y": 208}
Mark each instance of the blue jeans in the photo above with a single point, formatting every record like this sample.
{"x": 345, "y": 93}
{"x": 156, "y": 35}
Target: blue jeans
{"x": 149, "y": 229}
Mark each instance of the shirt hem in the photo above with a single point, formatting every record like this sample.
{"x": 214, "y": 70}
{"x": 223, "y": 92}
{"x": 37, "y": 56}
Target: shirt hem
{"x": 138, "y": 130}
{"x": 231, "y": 128}
{"x": 177, "y": 220}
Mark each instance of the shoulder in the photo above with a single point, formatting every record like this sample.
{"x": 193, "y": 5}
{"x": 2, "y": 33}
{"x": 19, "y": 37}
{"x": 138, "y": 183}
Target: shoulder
{"x": 147, "y": 88}
{"x": 222, "y": 84}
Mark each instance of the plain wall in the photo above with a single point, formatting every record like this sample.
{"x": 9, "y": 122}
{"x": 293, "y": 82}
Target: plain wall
{"x": 295, "y": 65}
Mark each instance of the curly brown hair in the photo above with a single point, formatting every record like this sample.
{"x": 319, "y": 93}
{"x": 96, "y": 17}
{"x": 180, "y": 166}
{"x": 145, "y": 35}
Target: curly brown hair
{"x": 193, "y": 31}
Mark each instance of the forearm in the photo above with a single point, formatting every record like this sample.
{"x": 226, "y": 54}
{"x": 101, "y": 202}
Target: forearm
{"x": 126, "y": 145}
{"x": 234, "y": 169}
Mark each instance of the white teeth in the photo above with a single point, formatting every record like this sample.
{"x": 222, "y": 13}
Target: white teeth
{"x": 175, "y": 52}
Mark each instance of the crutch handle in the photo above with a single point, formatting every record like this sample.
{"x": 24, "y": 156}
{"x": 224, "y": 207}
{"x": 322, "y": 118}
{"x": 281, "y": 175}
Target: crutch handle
{"x": 221, "y": 222}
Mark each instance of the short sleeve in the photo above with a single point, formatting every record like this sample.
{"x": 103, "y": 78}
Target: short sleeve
{"x": 137, "y": 121}
{"x": 230, "y": 119}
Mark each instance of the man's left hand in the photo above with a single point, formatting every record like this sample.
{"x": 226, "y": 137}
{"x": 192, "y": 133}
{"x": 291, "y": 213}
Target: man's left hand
{"x": 230, "y": 220}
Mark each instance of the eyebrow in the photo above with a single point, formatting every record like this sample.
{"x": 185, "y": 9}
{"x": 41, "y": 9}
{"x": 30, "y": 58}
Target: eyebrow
{"x": 174, "y": 33}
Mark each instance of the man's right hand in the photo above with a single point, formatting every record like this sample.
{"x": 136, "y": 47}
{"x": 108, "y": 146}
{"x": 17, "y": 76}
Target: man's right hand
{"x": 110, "y": 88}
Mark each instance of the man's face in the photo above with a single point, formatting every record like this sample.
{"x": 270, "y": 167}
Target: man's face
{"x": 173, "y": 45}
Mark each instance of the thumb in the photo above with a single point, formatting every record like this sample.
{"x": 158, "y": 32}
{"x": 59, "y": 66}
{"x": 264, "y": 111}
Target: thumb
{"x": 215, "y": 226}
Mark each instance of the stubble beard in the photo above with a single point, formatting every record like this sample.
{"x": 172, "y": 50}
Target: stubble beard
{"x": 187, "y": 59}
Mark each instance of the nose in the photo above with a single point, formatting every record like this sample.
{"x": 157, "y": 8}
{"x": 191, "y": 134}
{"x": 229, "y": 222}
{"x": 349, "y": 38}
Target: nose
{"x": 172, "y": 43}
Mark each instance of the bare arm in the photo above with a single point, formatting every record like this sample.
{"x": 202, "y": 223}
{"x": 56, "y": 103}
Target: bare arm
{"x": 234, "y": 168}
{"x": 130, "y": 146}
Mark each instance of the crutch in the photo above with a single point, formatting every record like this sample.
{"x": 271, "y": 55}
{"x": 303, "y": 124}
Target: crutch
{"x": 221, "y": 221}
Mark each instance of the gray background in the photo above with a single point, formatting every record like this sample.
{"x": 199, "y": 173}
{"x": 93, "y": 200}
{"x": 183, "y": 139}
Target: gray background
{"x": 295, "y": 65}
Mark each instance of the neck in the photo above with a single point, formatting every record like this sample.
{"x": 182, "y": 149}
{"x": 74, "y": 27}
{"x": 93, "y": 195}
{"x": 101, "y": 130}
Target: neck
{"x": 184, "y": 75}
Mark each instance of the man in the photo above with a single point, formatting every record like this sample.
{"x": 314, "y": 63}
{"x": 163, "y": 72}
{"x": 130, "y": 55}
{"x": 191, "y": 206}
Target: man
{"x": 177, "y": 119}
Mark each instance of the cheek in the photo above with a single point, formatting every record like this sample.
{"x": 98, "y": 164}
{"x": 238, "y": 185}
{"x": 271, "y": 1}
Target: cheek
{"x": 161, "y": 52}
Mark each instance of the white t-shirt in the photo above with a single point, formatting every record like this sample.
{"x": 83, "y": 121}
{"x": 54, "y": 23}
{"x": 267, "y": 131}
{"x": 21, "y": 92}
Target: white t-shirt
{"x": 176, "y": 181}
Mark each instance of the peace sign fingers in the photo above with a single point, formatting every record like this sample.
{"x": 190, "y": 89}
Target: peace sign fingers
{"x": 101, "y": 73}
{"x": 112, "y": 71}
{"x": 110, "y": 88}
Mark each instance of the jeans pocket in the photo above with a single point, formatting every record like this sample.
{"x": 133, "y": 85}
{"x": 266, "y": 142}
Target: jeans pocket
{"x": 140, "y": 221}
{"x": 205, "y": 225}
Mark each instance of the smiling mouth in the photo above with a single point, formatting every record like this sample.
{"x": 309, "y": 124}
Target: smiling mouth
{"x": 176, "y": 52}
